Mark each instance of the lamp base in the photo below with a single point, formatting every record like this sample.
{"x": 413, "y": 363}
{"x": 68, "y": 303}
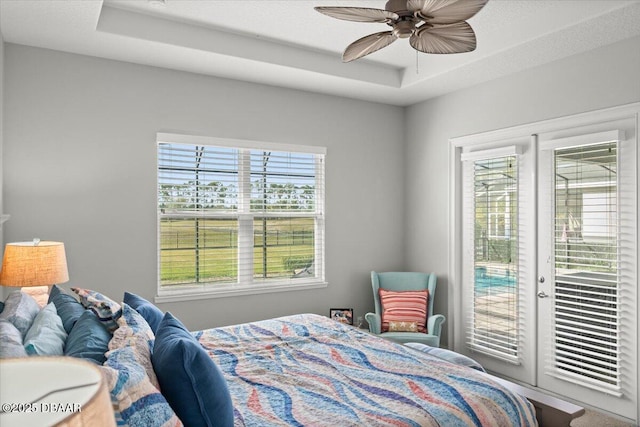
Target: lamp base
{"x": 39, "y": 293}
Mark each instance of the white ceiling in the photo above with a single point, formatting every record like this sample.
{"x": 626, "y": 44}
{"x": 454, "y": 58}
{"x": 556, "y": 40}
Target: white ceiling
{"x": 287, "y": 43}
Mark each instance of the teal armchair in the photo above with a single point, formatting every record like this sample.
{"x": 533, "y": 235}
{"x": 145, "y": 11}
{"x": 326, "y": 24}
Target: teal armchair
{"x": 401, "y": 281}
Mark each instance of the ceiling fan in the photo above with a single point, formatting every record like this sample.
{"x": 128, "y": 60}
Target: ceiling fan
{"x": 432, "y": 26}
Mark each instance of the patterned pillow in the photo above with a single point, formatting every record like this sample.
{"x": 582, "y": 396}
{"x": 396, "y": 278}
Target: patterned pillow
{"x": 20, "y": 309}
{"x": 132, "y": 381}
{"x": 134, "y": 332}
{"x": 136, "y": 401}
{"x": 152, "y": 314}
{"x": 404, "y": 306}
{"x": 403, "y": 326}
{"x": 131, "y": 327}
{"x": 10, "y": 341}
{"x": 107, "y": 310}
{"x": 47, "y": 336}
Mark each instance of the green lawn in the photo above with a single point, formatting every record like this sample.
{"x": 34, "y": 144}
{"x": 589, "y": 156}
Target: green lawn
{"x": 289, "y": 245}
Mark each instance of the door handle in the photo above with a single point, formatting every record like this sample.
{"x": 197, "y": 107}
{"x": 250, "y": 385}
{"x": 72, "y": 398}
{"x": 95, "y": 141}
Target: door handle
{"x": 543, "y": 294}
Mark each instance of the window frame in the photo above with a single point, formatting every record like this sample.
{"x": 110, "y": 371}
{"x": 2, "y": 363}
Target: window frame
{"x": 245, "y": 283}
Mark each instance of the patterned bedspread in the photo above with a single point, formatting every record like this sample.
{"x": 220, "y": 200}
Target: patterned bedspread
{"x": 308, "y": 370}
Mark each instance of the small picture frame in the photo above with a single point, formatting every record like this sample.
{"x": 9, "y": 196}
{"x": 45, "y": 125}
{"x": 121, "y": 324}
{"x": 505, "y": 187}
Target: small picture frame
{"x": 342, "y": 315}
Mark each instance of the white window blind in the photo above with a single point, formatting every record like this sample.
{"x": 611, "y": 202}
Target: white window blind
{"x": 587, "y": 265}
{"x": 245, "y": 215}
{"x": 491, "y": 222}
{"x": 577, "y": 269}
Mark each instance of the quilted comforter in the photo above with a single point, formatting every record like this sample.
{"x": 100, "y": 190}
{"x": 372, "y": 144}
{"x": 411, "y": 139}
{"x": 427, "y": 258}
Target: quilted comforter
{"x": 308, "y": 370}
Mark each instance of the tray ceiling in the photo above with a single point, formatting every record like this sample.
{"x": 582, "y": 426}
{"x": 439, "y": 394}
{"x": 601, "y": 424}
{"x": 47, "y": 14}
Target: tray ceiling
{"x": 288, "y": 44}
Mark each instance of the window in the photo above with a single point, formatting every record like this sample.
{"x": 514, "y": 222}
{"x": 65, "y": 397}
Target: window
{"x": 491, "y": 194}
{"x": 238, "y": 216}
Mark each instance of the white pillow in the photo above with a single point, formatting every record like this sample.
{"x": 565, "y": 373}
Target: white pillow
{"x": 47, "y": 336}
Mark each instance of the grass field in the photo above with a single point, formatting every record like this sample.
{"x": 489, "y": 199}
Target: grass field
{"x": 289, "y": 245}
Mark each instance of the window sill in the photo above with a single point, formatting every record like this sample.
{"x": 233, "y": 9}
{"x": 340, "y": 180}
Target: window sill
{"x": 233, "y": 291}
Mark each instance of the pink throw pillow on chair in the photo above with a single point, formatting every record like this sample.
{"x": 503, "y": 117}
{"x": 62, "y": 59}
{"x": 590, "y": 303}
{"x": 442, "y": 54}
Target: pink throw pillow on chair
{"x": 404, "y": 306}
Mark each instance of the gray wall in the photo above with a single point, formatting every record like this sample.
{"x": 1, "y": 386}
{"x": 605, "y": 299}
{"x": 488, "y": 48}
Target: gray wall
{"x": 80, "y": 160}
{"x": 601, "y": 78}
{"x": 80, "y": 163}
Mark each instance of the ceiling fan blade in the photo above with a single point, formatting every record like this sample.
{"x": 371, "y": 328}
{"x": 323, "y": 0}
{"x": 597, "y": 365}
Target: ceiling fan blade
{"x": 367, "y": 45}
{"x": 358, "y": 14}
{"x": 445, "y": 11}
{"x": 415, "y": 5}
{"x": 451, "y": 38}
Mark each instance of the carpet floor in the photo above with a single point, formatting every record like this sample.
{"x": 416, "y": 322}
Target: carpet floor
{"x": 597, "y": 419}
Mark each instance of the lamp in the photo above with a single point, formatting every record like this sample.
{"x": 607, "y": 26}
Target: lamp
{"x": 60, "y": 391}
{"x": 34, "y": 263}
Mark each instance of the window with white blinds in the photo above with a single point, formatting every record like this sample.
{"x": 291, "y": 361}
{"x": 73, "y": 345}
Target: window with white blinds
{"x": 491, "y": 217}
{"x": 238, "y": 214}
{"x": 587, "y": 270}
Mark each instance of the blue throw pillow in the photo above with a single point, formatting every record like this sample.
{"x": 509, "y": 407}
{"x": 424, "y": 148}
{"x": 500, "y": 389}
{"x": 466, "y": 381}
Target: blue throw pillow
{"x": 69, "y": 309}
{"x": 89, "y": 339}
{"x": 1, "y": 306}
{"x": 55, "y": 290}
{"x": 152, "y": 314}
{"x": 190, "y": 381}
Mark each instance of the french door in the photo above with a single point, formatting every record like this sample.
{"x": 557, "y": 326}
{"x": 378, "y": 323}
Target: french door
{"x": 547, "y": 263}
{"x": 587, "y": 274}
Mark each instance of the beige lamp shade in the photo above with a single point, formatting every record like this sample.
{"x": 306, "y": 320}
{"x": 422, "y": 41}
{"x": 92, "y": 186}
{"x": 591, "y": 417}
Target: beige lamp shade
{"x": 34, "y": 264}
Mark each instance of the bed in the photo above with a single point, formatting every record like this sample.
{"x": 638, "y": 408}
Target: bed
{"x": 299, "y": 370}
{"x": 310, "y": 370}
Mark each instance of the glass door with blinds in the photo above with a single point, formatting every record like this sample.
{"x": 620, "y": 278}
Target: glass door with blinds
{"x": 494, "y": 328}
{"x": 587, "y": 282}
{"x": 497, "y": 235}
{"x": 546, "y": 272}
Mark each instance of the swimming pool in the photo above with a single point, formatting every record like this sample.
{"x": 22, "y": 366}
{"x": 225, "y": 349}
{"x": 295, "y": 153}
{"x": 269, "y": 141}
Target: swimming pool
{"x": 495, "y": 278}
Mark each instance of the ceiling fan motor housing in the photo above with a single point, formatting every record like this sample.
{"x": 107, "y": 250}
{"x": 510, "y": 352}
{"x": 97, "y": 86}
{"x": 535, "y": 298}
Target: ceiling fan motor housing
{"x": 403, "y": 28}
{"x": 406, "y": 24}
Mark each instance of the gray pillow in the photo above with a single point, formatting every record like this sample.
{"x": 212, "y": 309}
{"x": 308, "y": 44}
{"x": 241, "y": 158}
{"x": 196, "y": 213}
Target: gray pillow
{"x": 20, "y": 309}
{"x": 10, "y": 341}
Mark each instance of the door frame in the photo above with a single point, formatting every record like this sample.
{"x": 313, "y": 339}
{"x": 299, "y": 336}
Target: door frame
{"x": 456, "y": 146}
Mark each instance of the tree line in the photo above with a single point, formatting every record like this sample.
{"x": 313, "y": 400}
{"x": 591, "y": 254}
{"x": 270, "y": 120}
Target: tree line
{"x": 218, "y": 195}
